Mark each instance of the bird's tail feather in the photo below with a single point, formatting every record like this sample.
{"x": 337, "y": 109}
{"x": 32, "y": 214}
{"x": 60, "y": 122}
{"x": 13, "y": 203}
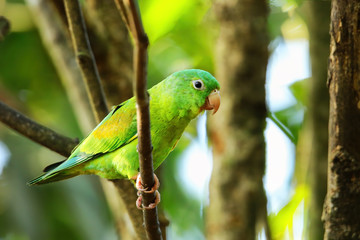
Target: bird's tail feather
{"x": 50, "y": 177}
{"x": 60, "y": 170}
{"x": 53, "y": 166}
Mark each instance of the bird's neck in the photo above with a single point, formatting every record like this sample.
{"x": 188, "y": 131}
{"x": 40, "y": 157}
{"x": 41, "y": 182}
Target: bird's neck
{"x": 171, "y": 109}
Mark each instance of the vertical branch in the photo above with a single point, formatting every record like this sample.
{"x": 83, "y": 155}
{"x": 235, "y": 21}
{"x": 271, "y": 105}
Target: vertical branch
{"x": 134, "y": 23}
{"x": 85, "y": 58}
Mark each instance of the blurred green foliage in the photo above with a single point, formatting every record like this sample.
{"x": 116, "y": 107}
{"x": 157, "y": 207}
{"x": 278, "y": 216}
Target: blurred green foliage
{"x": 28, "y": 75}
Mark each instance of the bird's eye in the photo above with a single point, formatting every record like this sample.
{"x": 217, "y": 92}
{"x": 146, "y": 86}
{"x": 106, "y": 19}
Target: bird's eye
{"x": 198, "y": 84}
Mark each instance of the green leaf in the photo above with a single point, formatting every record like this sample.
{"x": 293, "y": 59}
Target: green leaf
{"x": 283, "y": 220}
{"x": 299, "y": 90}
{"x": 282, "y": 127}
{"x": 290, "y": 119}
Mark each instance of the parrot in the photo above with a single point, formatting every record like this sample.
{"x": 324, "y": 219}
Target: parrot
{"x": 110, "y": 150}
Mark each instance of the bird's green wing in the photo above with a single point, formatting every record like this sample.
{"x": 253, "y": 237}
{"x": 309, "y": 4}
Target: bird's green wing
{"x": 116, "y": 130}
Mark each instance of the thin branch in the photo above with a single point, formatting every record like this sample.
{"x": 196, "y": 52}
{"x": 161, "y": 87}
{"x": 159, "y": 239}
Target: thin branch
{"x": 136, "y": 28}
{"x": 36, "y": 132}
{"x": 85, "y": 58}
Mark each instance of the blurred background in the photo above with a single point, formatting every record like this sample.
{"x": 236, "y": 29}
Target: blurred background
{"x": 182, "y": 36}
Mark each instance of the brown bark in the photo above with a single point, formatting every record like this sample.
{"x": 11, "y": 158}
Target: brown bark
{"x": 236, "y": 189}
{"x": 317, "y": 15}
{"x": 342, "y": 209}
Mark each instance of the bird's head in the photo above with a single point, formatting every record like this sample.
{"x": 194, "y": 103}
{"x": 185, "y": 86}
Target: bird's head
{"x": 197, "y": 90}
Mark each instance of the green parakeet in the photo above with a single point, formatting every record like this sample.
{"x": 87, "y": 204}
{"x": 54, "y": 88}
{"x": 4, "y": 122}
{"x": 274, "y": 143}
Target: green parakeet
{"x": 110, "y": 149}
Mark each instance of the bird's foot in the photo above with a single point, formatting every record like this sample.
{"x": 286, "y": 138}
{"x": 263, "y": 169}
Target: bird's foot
{"x": 141, "y": 188}
{"x": 141, "y": 206}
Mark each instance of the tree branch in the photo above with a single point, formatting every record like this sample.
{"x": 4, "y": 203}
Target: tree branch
{"x": 132, "y": 14}
{"x": 85, "y": 58}
{"x": 36, "y": 132}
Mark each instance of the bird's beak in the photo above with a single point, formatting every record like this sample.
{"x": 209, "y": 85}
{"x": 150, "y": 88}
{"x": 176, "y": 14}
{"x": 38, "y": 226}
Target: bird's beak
{"x": 212, "y": 101}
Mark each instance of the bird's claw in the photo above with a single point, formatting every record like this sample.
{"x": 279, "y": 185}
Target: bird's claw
{"x": 141, "y": 206}
{"x": 141, "y": 188}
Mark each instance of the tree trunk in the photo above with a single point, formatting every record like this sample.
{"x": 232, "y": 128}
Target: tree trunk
{"x": 342, "y": 209}
{"x": 237, "y": 200}
{"x": 317, "y": 15}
